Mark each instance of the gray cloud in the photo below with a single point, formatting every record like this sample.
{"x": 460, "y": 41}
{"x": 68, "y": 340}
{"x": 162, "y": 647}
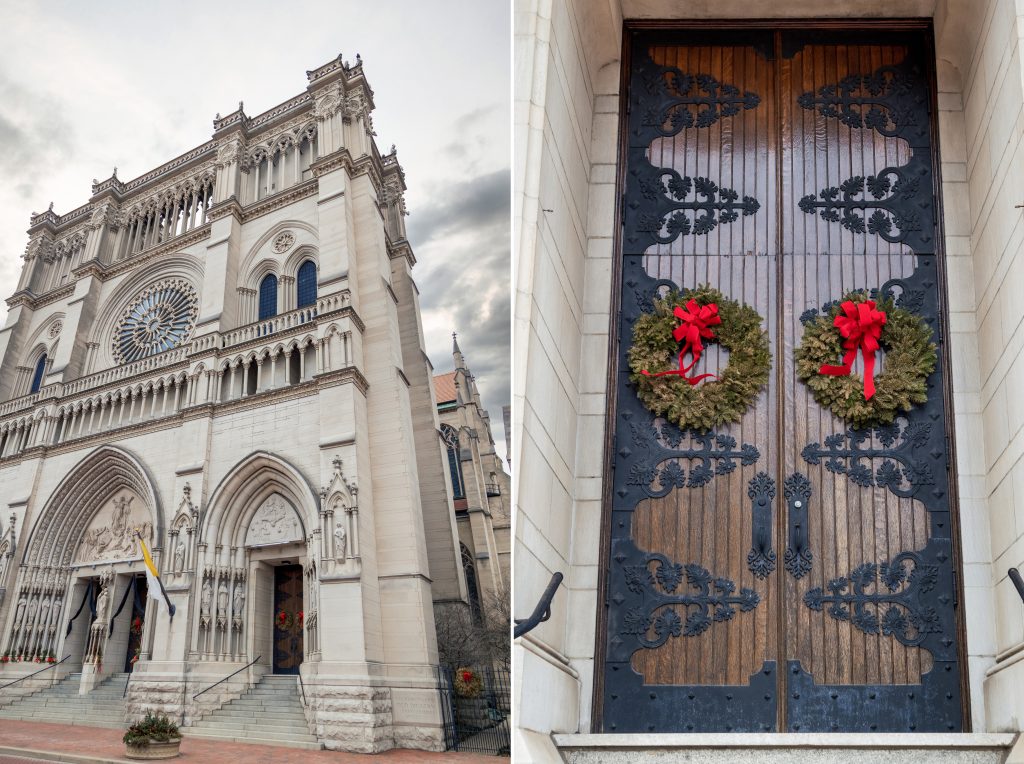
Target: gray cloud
{"x": 462, "y": 241}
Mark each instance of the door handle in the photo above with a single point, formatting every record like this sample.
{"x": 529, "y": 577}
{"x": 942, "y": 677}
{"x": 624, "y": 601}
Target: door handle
{"x": 761, "y": 557}
{"x": 798, "y": 556}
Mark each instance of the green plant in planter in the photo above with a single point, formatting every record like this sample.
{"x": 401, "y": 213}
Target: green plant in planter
{"x": 157, "y": 729}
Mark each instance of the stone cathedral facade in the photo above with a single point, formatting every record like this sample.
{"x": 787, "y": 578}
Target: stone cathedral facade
{"x": 225, "y": 357}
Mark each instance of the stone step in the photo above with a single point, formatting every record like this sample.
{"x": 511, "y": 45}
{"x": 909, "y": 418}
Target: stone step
{"x": 309, "y": 744}
{"x": 256, "y": 724}
{"x": 264, "y": 714}
{"x": 78, "y": 721}
{"x": 786, "y": 748}
{"x": 266, "y": 707}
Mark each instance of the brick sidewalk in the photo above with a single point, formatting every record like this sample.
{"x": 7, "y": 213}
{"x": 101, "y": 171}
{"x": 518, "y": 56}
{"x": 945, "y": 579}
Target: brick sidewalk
{"x": 104, "y": 745}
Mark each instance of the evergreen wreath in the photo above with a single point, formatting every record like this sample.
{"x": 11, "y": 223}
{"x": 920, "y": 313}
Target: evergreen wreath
{"x": 910, "y": 356}
{"x": 468, "y": 683}
{"x": 709, "y": 404}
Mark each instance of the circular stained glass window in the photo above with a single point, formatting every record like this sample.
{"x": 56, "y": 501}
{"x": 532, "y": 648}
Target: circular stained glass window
{"x": 160, "y": 318}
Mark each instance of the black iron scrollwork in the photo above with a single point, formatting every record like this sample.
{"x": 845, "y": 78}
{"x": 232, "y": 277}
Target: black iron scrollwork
{"x": 896, "y": 611}
{"x": 902, "y": 470}
{"x": 892, "y": 195}
{"x": 704, "y": 599}
{"x": 679, "y": 100}
{"x": 715, "y": 454}
{"x": 881, "y": 100}
{"x": 798, "y": 555}
{"x": 761, "y": 557}
{"x": 683, "y": 205}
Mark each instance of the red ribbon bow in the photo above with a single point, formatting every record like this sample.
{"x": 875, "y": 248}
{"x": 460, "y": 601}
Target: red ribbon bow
{"x": 695, "y": 324}
{"x": 862, "y": 327}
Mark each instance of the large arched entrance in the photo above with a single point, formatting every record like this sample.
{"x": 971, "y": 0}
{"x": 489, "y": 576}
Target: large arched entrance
{"x": 258, "y": 563}
{"x": 80, "y": 591}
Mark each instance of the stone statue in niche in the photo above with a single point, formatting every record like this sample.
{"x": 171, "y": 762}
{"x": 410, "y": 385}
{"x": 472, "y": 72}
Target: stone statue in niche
{"x": 101, "y": 603}
{"x": 238, "y": 605}
{"x": 33, "y": 606}
{"x": 275, "y": 522}
{"x": 204, "y": 603}
{"x": 57, "y": 603}
{"x": 339, "y": 541}
{"x": 222, "y": 604}
{"x": 179, "y": 557}
{"x": 20, "y": 615}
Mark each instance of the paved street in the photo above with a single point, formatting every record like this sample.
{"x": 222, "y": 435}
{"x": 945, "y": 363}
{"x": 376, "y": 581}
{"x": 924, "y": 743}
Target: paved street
{"x": 22, "y": 742}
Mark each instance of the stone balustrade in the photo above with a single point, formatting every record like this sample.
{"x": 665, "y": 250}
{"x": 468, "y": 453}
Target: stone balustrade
{"x": 287, "y": 350}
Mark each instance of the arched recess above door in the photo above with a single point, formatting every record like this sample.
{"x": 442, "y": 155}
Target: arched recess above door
{"x": 245, "y": 489}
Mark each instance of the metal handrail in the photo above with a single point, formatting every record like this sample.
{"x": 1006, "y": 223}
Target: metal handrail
{"x": 542, "y": 612}
{"x": 302, "y": 689}
{"x": 40, "y": 671}
{"x": 1017, "y": 581}
{"x": 227, "y": 677}
{"x": 126, "y": 681}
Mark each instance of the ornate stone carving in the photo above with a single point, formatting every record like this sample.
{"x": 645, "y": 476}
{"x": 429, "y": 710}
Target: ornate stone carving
{"x": 274, "y": 523}
{"x": 283, "y": 241}
{"x": 229, "y": 152}
{"x": 55, "y": 328}
{"x": 328, "y": 101}
{"x": 111, "y": 534}
{"x": 357, "y": 106}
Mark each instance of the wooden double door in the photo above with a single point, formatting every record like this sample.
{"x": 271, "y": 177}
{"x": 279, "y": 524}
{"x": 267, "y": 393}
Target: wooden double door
{"x": 787, "y": 572}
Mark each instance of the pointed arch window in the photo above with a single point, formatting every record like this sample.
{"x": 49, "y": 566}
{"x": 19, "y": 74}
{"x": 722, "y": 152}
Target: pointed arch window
{"x": 451, "y": 442}
{"x": 268, "y": 297}
{"x": 306, "y": 285}
{"x": 37, "y": 377}
{"x": 472, "y": 588}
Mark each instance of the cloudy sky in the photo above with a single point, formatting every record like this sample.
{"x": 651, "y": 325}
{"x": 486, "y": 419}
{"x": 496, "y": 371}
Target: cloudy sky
{"x": 87, "y": 86}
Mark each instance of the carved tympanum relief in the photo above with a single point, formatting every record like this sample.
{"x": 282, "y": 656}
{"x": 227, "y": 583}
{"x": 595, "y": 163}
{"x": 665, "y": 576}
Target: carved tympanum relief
{"x": 111, "y": 534}
{"x": 274, "y": 523}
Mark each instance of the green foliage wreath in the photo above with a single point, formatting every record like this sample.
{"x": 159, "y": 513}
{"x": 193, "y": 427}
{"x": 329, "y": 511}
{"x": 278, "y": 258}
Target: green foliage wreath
{"x": 910, "y": 356}
{"x": 715, "y": 402}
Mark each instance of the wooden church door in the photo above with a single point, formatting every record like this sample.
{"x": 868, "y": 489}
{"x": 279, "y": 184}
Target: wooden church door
{"x": 787, "y": 569}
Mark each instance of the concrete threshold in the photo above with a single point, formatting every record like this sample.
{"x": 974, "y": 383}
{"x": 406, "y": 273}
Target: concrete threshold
{"x": 799, "y": 740}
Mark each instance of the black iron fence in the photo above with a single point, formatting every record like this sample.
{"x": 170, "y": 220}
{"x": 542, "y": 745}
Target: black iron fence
{"x": 476, "y": 707}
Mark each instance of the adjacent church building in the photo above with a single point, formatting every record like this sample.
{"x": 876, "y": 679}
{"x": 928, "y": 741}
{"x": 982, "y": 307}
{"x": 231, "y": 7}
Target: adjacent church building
{"x": 224, "y": 358}
{"x": 480, "y": 485}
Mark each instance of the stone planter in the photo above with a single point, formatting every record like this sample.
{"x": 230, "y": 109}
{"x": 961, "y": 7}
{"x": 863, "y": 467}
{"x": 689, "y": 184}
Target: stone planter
{"x": 155, "y": 750}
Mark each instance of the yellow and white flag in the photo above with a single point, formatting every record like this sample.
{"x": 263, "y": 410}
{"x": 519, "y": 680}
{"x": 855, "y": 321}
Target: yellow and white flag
{"x": 154, "y": 584}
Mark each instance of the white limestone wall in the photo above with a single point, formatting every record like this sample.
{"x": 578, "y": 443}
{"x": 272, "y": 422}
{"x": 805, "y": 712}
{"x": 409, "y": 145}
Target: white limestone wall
{"x": 561, "y": 321}
{"x": 566, "y": 103}
{"x": 992, "y": 475}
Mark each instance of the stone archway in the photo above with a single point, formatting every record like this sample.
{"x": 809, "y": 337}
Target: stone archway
{"x": 91, "y": 518}
{"x": 260, "y": 515}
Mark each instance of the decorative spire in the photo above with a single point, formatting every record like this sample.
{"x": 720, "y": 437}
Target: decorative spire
{"x": 455, "y": 343}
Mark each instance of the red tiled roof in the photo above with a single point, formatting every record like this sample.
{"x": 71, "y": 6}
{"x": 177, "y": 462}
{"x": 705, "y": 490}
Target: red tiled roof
{"x": 444, "y": 387}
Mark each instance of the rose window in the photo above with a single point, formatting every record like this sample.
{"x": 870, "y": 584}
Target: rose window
{"x": 160, "y": 318}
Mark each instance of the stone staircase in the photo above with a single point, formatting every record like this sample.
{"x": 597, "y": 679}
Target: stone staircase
{"x": 270, "y": 713}
{"x": 61, "y": 704}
